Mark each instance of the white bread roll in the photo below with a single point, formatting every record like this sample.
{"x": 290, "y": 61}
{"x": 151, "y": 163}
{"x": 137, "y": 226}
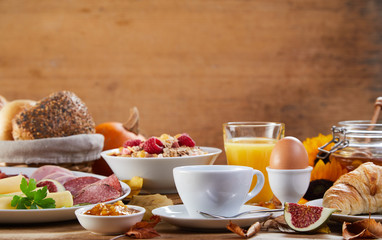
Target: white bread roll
{"x": 8, "y": 112}
{"x": 3, "y": 101}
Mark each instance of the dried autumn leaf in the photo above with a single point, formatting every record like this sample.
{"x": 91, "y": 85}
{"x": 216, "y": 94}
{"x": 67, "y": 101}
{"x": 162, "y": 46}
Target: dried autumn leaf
{"x": 367, "y": 228}
{"x": 144, "y": 230}
{"x": 277, "y": 223}
{"x": 252, "y": 230}
{"x": 150, "y": 202}
{"x": 323, "y": 229}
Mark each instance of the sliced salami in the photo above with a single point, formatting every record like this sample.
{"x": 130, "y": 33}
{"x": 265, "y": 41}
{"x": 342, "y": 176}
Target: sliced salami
{"x": 96, "y": 193}
{"x": 113, "y": 181}
{"x": 75, "y": 185}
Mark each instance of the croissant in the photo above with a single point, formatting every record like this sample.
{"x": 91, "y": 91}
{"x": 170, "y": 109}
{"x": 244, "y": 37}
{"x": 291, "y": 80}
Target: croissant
{"x": 357, "y": 192}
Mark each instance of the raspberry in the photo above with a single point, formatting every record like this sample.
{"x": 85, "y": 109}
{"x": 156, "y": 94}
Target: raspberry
{"x": 132, "y": 143}
{"x": 153, "y": 146}
{"x": 186, "y": 140}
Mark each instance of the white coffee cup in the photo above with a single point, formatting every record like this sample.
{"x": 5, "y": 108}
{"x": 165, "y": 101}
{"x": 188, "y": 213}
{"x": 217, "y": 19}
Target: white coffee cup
{"x": 216, "y": 189}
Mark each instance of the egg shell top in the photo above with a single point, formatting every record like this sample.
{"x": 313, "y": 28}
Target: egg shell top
{"x": 289, "y": 153}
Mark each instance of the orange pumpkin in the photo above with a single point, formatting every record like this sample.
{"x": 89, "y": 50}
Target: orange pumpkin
{"x": 116, "y": 134}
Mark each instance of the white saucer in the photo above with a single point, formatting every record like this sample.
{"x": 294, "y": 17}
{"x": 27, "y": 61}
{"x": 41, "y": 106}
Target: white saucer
{"x": 348, "y": 218}
{"x": 177, "y": 215}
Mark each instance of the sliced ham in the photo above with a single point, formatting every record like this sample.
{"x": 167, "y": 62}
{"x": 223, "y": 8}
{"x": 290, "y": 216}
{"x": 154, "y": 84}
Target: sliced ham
{"x": 63, "y": 179}
{"x": 60, "y": 177}
{"x": 75, "y": 185}
{"x": 45, "y": 170}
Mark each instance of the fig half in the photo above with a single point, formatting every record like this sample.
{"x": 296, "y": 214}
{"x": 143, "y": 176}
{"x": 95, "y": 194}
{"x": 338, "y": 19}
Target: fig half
{"x": 52, "y": 185}
{"x": 304, "y": 218}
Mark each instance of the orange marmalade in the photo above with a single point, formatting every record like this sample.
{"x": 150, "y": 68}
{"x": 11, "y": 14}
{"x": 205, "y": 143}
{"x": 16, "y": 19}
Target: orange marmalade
{"x": 115, "y": 209}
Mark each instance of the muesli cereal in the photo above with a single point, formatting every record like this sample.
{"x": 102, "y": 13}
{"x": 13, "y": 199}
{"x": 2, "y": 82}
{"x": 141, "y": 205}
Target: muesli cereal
{"x": 164, "y": 146}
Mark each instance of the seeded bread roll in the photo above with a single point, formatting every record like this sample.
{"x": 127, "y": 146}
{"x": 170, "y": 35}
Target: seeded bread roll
{"x": 60, "y": 114}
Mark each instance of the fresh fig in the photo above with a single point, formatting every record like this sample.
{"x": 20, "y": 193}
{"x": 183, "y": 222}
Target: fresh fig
{"x": 304, "y": 218}
{"x": 52, "y": 185}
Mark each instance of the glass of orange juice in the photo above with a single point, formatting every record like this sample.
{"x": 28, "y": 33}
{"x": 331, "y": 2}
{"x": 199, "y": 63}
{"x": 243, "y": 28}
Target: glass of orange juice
{"x": 250, "y": 144}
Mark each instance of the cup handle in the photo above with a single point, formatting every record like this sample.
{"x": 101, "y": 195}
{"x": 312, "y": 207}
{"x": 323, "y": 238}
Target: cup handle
{"x": 258, "y": 187}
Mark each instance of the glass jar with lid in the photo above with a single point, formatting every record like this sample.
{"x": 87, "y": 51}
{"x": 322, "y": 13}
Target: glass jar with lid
{"x": 355, "y": 142}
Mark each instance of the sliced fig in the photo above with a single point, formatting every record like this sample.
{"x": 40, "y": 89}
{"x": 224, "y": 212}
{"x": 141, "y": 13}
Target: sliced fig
{"x": 52, "y": 185}
{"x": 304, "y": 218}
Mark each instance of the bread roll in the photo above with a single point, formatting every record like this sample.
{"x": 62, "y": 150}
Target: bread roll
{"x": 3, "y": 101}
{"x": 8, "y": 112}
{"x": 58, "y": 115}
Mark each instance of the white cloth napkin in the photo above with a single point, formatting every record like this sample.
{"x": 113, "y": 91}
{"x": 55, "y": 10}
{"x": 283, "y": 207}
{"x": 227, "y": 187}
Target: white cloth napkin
{"x": 71, "y": 149}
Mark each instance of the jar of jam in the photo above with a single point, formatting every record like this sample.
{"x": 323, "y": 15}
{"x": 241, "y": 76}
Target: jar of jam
{"x": 355, "y": 142}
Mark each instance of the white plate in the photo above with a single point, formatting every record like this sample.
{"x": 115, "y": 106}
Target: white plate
{"x": 343, "y": 217}
{"x": 177, "y": 215}
{"x": 45, "y": 215}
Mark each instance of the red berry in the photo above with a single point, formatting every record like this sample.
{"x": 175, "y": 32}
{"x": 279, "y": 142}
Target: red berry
{"x": 132, "y": 143}
{"x": 186, "y": 140}
{"x": 153, "y": 146}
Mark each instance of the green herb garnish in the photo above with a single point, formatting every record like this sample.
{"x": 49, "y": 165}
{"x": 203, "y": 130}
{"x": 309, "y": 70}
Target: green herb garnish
{"x": 33, "y": 198}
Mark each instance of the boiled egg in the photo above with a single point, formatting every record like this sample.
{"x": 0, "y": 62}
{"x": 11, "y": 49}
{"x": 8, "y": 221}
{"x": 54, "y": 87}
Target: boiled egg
{"x": 289, "y": 153}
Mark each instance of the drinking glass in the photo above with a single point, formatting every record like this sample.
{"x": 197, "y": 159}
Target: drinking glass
{"x": 250, "y": 144}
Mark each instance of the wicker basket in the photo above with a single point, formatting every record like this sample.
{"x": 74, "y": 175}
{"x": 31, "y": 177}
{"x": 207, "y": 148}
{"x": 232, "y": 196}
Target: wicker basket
{"x": 77, "y": 152}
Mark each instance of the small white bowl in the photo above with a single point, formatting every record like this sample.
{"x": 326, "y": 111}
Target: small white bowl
{"x": 156, "y": 172}
{"x": 289, "y": 185}
{"x": 109, "y": 225}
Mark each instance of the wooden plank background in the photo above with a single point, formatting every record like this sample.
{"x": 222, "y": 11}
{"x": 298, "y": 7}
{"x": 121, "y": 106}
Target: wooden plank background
{"x": 190, "y": 66}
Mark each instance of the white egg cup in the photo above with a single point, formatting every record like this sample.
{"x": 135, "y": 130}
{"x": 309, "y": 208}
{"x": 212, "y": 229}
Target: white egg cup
{"x": 289, "y": 185}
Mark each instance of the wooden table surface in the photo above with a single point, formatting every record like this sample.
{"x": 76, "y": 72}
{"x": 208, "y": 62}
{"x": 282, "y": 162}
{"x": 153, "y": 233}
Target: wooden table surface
{"x": 73, "y": 230}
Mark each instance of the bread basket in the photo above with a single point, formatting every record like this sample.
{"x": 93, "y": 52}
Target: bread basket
{"x": 76, "y": 152}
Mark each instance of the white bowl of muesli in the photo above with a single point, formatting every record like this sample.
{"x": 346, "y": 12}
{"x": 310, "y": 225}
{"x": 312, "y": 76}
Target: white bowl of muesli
{"x": 155, "y": 158}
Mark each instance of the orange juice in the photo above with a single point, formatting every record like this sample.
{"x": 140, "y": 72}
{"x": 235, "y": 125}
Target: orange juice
{"x": 255, "y": 153}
